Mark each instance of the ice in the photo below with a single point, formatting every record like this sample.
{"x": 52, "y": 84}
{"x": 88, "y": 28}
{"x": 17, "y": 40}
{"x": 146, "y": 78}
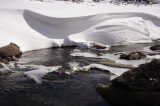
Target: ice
{"x": 40, "y": 71}
{"x": 116, "y": 71}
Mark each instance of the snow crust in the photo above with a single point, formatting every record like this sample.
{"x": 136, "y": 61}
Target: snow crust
{"x": 75, "y": 67}
{"x": 39, "y": 72}
{"x": 37, "y": 25}
{"x": 113, "y": 70}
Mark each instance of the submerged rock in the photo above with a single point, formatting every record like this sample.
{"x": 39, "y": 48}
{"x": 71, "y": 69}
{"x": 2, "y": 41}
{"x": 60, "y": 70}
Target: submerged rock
{"x": 133, "y": 56}
{"x": 54, "y": 76}
{"x": 10, "y": 50}
{"x": 137, "y": 87}
{"x": 155, "y": 48}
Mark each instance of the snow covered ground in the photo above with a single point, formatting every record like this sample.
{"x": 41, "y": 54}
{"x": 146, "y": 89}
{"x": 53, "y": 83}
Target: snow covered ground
{"x": 36, "y": 25}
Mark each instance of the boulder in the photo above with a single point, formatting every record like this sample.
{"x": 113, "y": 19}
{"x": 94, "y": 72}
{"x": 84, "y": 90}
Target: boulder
{"x": 118, "y": 97}
{"x": 137, "y": 87}
{"x": 155, "y": 48}
{"x": 10, "y": 50}
{"x": 133, "y": 56}
{"x": 144, "y": 78}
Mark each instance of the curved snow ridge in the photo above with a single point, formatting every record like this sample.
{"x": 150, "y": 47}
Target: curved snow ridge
{"x": 31, "y": 30}
{"x": 13, "y": 28}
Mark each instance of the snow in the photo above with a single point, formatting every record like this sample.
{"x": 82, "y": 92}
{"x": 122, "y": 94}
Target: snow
{"x": 39, "y": 72}
{"x": 5, "y": 69}
{"x": 153, "y": 57}
{"x": 75, "y": 67}
{"x": 36, "y": 25}
{"x": 116, "y": 71}
{"x": 84, "y": 54}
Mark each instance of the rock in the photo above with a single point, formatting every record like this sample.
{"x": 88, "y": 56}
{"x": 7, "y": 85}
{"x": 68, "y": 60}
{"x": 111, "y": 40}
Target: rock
{"x": 145, "y": 78}
{"x": 99, "y": 54}
{"x": 10, "y": 50}
{"x": 155, "y": 48}
{"x": 137, "y": 87}
{"x": 153, "y": 54}
{"x": 96, "y": 0}
{"x": 133, "y": 56}
{"x": 99, "y": 46}
{"x": 118, "y": 97}
{"x": 5, "y": 61}
{"x": 56, "y": 76}
{"x": 99, "y": 69}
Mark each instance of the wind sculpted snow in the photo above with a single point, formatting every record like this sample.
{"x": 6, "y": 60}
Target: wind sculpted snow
{"x": 33, "y": 30}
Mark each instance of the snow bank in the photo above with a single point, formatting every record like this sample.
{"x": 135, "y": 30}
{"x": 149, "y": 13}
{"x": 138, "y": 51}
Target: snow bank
{"x": 38, "y": 25}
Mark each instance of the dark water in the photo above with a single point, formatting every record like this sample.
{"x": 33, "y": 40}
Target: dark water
{"x": 77, "y": 89}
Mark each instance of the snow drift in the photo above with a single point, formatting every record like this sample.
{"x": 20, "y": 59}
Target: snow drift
{"x": 33, "y": 30}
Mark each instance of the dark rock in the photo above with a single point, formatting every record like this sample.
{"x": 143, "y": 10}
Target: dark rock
{"x": 96, "y": 0}
{"x": 56, "y": 76}
{"x": 137, "y": 87}
{"x": 5, "y": 61}
{"x": 99, "y": 69}
{"x": 10, "y": 50}
{"x": 118, "y": 97}
{"x": 99, "y": 54}
{"x": 155, "y": 48}
{"x": 153, "y": 54}
{"x": 133, "y": 56}
{"x": 145, "y": 78}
